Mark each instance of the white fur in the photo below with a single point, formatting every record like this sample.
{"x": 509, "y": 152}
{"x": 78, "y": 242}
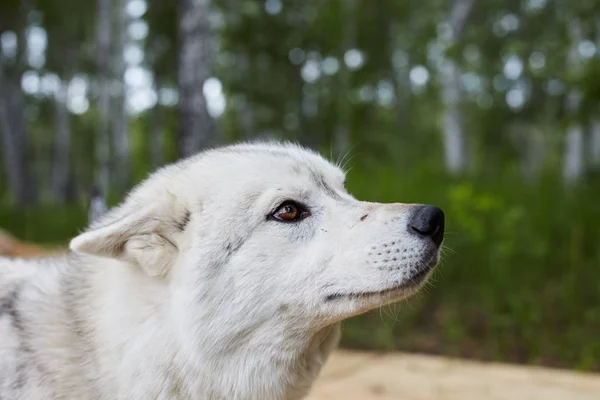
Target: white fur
{"x": 189, "y": 291}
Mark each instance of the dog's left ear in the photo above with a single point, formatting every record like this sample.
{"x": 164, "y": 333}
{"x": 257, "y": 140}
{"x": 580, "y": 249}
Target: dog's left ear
{"x": 143, "y": 236}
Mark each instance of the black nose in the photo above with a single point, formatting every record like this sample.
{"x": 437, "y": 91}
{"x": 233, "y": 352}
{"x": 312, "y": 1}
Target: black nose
{"x": 428, "y": 221}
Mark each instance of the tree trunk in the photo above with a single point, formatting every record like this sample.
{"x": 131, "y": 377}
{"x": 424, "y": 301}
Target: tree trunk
{"x": 455, "y": 151}
{"x": 97, "y": 206}
{"x": 454, "y": 137}
{"x": 102, "y": 174}
{"x": 197, "y": 128}
{"x": 341, "y": 139}
{"x": 533, "y": 145}
{"x": 62, "y": 142}
{"x": 595, "y": 144}
{"x": 120, "y": 131}
{"x": 399, "y": 72}
{"x": 573, "y": 161}
{"x": 14, "y": 137}
{"x": 595, "y": 128}
{"x": 157, "y": 134}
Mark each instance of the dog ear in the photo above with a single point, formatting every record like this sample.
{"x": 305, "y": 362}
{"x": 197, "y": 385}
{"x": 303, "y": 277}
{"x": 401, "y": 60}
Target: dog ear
{"x": 139, "y": 235}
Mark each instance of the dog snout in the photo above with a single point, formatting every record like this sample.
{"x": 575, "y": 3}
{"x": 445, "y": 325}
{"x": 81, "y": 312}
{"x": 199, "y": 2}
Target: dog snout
{"x": 427, "y": 222}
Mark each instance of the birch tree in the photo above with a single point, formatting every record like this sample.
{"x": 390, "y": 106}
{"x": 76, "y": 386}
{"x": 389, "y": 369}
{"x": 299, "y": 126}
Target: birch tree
{"x": 197, "y": 128}
{"x": 455, "y": 151}
{"x": 595, "y": 143}
{"x": 12, "y": 119}
{"x": 120, "y": 121}
{"x": 595, "y": 127}
{"x": 573, "y": 160}
{"x": 62, "y": 141}
{"x": 97, "y": 206}
{"x": 533, "y": 149}
{"x": 102, "y": 145}
{"x": 159, "y": 53}
{"x": 61, "y": 56}
{"x": 399, "y": 60}
{"x": 157, "y": 137}
{"x": 341, "y": 138}
{"x": 12, "y": 144}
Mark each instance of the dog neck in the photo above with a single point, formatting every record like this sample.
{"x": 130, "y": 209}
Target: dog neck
{"x": 143, "y": 348}
{"x": 281, "y": 367}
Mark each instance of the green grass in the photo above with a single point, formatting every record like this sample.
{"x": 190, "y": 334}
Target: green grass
{"x": 48, "y": 225}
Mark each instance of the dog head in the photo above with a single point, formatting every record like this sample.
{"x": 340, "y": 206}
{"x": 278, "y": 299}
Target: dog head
{"x": 266, "y": 230}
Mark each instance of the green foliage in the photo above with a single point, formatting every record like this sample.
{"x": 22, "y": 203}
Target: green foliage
{"x": 519, "y": 276}
{"x": 48, "y": 225}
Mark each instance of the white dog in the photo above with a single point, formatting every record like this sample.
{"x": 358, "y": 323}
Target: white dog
{"x": 224, "y": 276}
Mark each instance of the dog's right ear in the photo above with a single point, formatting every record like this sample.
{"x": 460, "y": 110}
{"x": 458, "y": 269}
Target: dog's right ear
{"x": 143, "y": 236}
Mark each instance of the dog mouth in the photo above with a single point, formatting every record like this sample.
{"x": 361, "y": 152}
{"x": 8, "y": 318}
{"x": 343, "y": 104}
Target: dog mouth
{"x": 413, "y": 282}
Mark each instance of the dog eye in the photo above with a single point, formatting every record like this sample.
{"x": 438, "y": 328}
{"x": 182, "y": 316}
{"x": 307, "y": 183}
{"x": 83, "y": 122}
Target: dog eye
{"x": 290, "y": 211}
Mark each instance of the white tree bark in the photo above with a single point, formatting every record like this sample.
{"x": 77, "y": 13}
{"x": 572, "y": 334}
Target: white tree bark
{"x": 595, "y": 128}
{"x": 573, "y": 161}
{"x": 120, "y": 121}
{"x": 400, "y": 71}
{"x": 595, "y": 144}
{"x": 157, "y": 135}
{"x": 454, "y": 141}
{"x": 197, "y": 126}
{"x": 341, "y": 139}
{"x": 534, "y": 151}
{"x": 62, "y": 142}
{"x": 455, "y": 151}
{"x": 97, "y": 206}
{"x": 103, "y": 37}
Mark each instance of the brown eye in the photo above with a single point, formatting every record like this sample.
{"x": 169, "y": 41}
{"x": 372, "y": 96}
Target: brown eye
{"x": 289, "y": 212}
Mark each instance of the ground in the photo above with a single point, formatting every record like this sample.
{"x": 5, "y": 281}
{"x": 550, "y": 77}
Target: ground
{"x": 367, "y": 376}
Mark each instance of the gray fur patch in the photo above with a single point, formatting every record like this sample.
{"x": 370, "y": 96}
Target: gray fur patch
{"x": 7, "y": 307}
{"x": 232, "y": 247}
{"x": 181, "y": 225}
{"x": 319, "y": 180}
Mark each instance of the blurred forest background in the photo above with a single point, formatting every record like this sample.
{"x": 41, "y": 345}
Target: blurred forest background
{"x": 489, "y": 109}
